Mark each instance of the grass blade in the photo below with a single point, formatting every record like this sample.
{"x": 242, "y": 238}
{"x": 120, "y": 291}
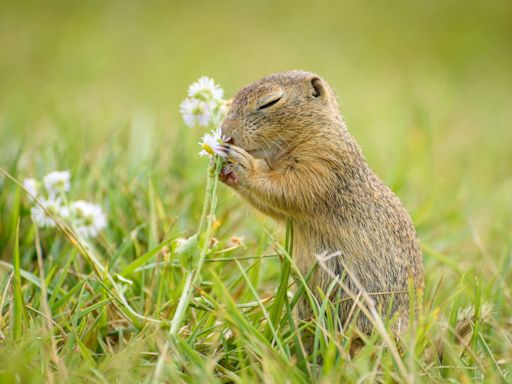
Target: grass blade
{"x": 282, "y": 290}
{"x": 19, "y": 306}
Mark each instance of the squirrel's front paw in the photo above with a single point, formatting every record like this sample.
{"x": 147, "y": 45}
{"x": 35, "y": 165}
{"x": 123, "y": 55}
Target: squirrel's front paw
{"x": 241, "y": 163}
{"x": 229, "y": 176}
{"x": 238, "y": 156}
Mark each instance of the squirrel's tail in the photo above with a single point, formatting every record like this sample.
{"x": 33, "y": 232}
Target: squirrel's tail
{"x": 466, "y": 319}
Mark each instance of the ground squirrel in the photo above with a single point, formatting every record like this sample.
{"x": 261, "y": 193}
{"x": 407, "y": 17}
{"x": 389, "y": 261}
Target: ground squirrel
{"x": 291, "y": 156}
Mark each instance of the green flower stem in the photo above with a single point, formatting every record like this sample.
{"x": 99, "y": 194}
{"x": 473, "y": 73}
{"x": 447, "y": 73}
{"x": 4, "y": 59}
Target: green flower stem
{"x": 207, "y": 200}
{"x": 194, "y": 275}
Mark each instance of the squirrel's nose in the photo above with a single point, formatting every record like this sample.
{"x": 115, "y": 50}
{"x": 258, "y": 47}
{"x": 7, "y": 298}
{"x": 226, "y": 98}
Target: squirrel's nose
{"x": 229, "y": 139}
{"x": 227, "y": 129}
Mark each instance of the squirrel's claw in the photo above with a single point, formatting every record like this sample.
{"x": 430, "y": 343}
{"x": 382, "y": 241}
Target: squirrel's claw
{"x": 238, "y": 156}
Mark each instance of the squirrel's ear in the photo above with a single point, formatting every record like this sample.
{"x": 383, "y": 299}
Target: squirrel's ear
{"x": 318, "y": 87}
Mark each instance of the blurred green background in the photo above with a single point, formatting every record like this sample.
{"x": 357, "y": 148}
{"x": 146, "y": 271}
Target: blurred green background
{"x": 94, "y": 87}
{"x": 425, "y": 87}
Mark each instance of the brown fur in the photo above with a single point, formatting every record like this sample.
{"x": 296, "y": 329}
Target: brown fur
{"x": 297, "y": 159}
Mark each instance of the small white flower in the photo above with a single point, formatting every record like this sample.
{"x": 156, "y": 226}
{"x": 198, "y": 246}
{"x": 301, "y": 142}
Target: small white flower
{"x": 57, "y": 181}
{"x": 31, "y": 186}
{"x": 205, "y": 89}
{"x": 88, "y": 218}
{"x": 211, "y": 143}
{"x": 196, "y": 111}
{"x": 39, "y": 215}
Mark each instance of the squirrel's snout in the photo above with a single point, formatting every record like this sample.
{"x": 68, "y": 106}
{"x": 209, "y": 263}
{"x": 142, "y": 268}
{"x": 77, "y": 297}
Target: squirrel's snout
{"x": 227, "y": 129}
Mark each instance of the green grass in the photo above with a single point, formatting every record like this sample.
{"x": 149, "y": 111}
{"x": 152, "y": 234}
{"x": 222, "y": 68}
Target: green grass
{"x": 95, "y": 87}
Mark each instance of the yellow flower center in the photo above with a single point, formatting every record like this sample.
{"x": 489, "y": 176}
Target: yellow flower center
{"x": 208, "y": 149}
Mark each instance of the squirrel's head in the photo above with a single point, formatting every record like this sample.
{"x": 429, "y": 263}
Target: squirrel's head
{"x": 269, "y": 114}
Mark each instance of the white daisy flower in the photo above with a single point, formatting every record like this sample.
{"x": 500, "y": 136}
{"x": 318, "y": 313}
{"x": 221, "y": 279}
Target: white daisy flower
{"x": 31, "y": 186}
{"x": 39, "y": 215}
{"x": 88, "y": 218}
{"x": 196, "y": 111}
{"x": 57, "y": 181}
{"x": 211, "y": 143}
{"x": 205, "y": 89}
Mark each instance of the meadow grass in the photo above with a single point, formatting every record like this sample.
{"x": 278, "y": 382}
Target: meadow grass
{"x": 96, "y": 91}
{"x": 63, "y": 319}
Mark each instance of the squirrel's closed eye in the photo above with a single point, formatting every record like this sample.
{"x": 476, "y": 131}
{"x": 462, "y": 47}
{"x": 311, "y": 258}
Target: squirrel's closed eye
{"x": 270, "y": 101}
